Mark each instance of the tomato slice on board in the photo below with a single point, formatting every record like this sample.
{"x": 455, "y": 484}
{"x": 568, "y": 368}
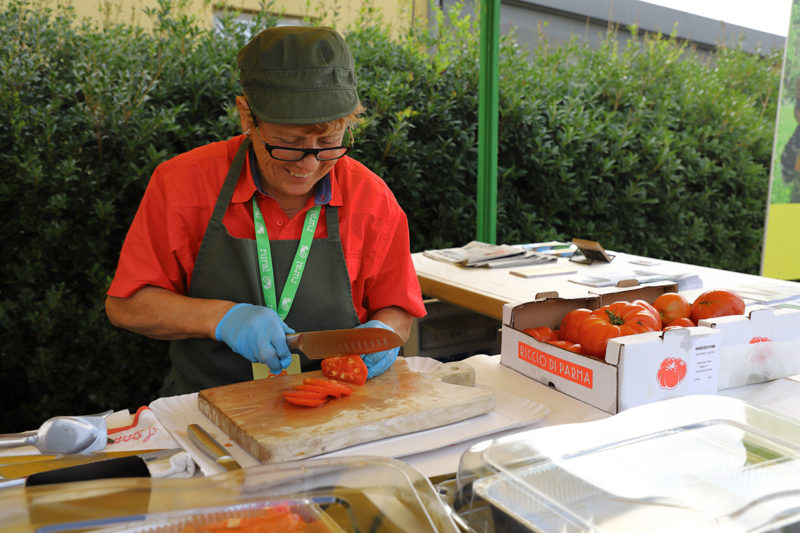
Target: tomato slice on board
{"x": 305, "y": 402}
{"x": 348, "y": 368}
{"x": 336, "y": 386}
{"x": 304, "y": 394}
{"x": 320, "y": 389}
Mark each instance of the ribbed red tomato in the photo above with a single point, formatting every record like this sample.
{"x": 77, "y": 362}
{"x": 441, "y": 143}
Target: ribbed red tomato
{"x": 567, "y": 345}
{"x": 614, "y": 320}
{"x": 680, "y": 323}
{"x": 716, "y": 302}
{"x": 542, "y": 333}
{"x": 571, "y": 324}
{"x": 647, "y": 305}
{"x": 671, "y": 306}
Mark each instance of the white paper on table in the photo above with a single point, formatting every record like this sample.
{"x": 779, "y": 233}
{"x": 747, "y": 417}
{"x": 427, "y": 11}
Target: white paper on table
{"x": 511, "y": 411}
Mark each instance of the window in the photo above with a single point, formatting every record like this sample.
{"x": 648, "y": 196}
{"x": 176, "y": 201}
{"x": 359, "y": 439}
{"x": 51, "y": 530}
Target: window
{"x": 245, "y": 21}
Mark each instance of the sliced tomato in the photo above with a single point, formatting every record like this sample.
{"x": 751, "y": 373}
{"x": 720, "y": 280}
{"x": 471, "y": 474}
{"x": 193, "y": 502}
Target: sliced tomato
{"x": 304, "y": 394}
{"x": 279, "y": 518}
{"x": 304, "y": 401}
{"x": 348, "y": 368}
{"x": 320, "y": 389}
{"x": 335, "y": 385}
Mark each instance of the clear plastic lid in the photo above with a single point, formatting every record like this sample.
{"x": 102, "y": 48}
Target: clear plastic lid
{"x": 695, "y": 463}
{"x": 357, "y": 493}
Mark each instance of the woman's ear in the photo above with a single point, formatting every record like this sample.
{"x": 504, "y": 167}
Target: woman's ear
{"x": 245, "y": 118}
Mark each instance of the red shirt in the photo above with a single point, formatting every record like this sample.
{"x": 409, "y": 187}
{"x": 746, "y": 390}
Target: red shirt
{"x": 165, "y": 235}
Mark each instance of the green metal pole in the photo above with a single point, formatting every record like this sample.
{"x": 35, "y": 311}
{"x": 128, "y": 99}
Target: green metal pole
{"x": 488, "y": 122}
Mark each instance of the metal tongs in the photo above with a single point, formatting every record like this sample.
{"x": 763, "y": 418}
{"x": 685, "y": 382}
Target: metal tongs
{"x": 63, "y": 435}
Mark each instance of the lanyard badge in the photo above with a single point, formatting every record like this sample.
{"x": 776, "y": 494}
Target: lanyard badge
{"x": 298, "y": 265}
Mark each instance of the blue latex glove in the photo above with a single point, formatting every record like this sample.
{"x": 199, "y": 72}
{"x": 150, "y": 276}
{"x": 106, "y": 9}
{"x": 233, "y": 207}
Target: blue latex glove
{"x": 258, "y": 334}
{"x": 378, "y": 362}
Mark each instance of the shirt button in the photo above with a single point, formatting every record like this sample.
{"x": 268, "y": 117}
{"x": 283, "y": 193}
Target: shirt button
{"x": 280, "y": 222}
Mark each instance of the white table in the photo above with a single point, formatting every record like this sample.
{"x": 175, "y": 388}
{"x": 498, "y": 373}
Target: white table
{"x": 782, "y": 396}
{"x": 486, "y": 290}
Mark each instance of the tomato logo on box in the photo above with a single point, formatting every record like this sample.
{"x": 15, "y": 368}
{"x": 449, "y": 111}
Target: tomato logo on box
{"x": 671, "y": 372}
{"x": 762, "y": 352}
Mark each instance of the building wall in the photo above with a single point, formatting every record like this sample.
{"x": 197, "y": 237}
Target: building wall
{"x": 559, "y": 20}
{"x": 338, "y": 13}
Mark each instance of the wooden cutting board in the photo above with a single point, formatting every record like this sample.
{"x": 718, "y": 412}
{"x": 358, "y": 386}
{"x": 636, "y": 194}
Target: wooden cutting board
{"x": 399, "y": 401}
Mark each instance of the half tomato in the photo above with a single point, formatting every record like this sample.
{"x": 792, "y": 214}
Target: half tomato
{"x": 348, "y": 368}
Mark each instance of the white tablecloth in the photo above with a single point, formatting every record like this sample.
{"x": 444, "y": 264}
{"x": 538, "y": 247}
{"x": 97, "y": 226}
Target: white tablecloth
{"x": 781, "y": 395}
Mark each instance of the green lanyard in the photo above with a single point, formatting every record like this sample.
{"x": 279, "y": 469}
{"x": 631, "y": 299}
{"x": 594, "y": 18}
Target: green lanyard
{"x": 265, "y": 260}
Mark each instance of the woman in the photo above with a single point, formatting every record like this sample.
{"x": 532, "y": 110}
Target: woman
{"x": 239, "y": 242}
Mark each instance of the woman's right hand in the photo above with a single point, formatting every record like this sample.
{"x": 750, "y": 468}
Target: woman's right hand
{"x": 257, "y": 333}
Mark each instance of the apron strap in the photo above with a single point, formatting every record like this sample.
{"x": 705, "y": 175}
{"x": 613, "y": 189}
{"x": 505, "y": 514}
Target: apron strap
{"x": 332, "y": 222}
{"x": 229, "y": 186}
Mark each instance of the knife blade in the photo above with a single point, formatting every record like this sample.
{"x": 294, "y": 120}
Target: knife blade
{"x": 209, "y": 446}
{"x": 333, "y": 342}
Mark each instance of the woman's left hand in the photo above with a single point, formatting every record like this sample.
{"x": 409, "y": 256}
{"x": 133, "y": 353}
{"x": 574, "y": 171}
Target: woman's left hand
{"x": 378, "y": 362}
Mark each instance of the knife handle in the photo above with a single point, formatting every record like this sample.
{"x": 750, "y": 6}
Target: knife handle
{"x": 208, "y": 444}
{"x": 132, "y": 466}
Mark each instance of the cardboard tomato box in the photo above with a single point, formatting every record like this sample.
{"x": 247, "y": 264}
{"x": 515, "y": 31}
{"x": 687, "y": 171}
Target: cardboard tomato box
{"x": 637, "y": 369}
{"x": 762, "y": 345}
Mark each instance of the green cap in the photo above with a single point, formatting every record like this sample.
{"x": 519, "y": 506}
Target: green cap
{"x": 298, "y": 75}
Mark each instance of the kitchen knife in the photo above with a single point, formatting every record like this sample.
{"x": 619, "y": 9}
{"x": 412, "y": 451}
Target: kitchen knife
{"x": 130, "y": 466}
{"x": 209, "y": 446}
{"x": 333, "y": 342}
{"x": 23, "y": 466}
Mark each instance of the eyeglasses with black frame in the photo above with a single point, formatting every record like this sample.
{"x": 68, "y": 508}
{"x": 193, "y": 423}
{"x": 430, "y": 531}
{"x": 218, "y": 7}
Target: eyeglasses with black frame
{"x": 284, "y": 153}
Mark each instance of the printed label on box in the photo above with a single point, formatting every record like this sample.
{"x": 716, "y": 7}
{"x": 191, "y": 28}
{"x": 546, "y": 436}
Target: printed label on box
{"x": 556, "y": 365}
{"x": 705, "y": 371}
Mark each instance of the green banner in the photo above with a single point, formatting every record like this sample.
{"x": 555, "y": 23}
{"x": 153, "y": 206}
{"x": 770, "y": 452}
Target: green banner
{"x": 781, "y": 254}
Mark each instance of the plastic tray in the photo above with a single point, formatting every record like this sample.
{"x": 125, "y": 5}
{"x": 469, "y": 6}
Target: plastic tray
{"x": 696, "y": 463}
{"x": 353, "y": 494}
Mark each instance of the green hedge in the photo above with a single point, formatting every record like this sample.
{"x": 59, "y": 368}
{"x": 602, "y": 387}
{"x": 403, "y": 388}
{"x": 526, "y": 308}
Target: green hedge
{"x": 645, "y": 148}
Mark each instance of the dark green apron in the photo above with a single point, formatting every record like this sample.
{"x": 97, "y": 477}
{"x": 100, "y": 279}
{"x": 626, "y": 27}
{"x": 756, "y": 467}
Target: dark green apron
{"x": 226, "y": 268}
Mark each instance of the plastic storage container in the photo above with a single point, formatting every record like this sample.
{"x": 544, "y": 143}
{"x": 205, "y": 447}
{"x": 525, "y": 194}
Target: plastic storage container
{"x": 351, "y": 494}
{"x": 689, "y": 464}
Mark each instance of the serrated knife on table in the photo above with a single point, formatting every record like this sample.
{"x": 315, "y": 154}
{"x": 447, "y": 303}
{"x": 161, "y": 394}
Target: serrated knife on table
{"x": 213, "y": 449}
{"x": 333, "y": 342}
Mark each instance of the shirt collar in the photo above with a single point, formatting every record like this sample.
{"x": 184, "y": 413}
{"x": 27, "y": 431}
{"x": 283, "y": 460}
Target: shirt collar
{"x": 323, "y": 190}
